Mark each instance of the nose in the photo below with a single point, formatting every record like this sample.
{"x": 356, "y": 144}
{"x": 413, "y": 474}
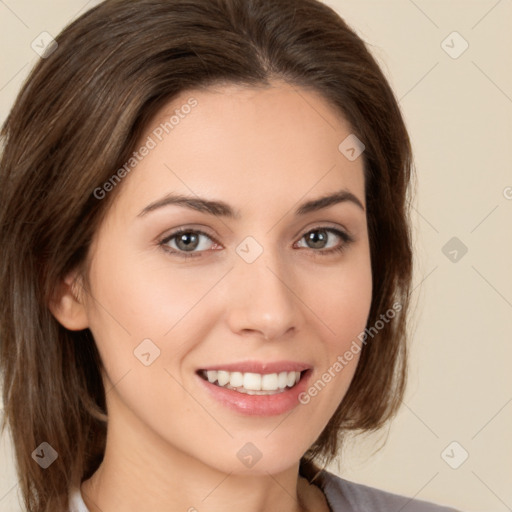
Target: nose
{"x": 261, "y": 299}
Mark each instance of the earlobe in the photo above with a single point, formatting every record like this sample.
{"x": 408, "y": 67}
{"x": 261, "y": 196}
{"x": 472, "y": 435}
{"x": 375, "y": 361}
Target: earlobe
{"x": 68, "y": 305}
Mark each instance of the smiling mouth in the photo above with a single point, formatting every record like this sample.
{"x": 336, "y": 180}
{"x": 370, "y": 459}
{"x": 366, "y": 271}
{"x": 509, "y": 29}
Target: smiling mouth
{"x": 253, "y": 383}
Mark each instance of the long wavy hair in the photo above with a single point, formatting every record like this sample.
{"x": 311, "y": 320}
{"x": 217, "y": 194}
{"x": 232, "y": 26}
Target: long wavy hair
{"x": 78, "y": 118}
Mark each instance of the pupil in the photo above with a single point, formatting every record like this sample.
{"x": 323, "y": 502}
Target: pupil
{"x": 188, "y": 240}
{"x": 316, "y": 239}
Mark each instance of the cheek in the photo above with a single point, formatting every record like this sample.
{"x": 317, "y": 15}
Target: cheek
{"x": 144, "y": 298}
{"x": 145, "y": 318}
{"x": 342, "y": 299}
{"x": 140, "y": 319}
{"x": 341, "y": 302}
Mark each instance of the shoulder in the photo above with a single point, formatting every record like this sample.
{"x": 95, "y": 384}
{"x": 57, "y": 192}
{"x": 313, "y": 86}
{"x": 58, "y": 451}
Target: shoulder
{"x": 343, "y": 495}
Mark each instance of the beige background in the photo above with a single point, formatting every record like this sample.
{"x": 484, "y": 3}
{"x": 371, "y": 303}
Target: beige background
{"x": 459, "y": 113}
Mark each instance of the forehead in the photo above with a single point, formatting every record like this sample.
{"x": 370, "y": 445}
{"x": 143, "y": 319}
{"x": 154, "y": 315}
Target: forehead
{"x": 248, "y": 146}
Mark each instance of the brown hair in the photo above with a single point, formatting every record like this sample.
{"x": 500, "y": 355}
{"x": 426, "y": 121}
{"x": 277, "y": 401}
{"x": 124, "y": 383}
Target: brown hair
{"x": 78, "y": 118}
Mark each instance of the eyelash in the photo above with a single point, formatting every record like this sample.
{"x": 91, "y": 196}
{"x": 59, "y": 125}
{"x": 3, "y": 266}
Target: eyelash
{"x": 346, "y": 238}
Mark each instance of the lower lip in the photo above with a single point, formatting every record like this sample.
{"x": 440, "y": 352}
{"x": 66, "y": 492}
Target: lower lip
{"x": 258, "y": 405}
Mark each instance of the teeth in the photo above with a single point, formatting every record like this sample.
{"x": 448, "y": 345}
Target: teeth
{"x": 282, "y": 380}
{"x": 253, "y": 383}
{"x": 269, "y": 382}
{"x": 222, "y": 378}
{"x": 236, "y": 379}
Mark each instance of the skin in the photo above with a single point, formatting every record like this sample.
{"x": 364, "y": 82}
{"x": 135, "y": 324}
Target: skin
{"x": 170, "y": 446}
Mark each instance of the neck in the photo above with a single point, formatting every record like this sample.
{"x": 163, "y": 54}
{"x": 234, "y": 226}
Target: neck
{"x": 140, "y": 471}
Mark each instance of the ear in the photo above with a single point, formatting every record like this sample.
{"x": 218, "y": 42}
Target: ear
{"x": 68, "y": 305}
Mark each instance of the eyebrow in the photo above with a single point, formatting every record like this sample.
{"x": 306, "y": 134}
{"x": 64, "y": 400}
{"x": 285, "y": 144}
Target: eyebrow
{"x": 222, "y": 209}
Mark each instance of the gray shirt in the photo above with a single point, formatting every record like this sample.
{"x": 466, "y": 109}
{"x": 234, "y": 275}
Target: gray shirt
{"x": 341, "y": 495}
{"x": 345, "y": 496}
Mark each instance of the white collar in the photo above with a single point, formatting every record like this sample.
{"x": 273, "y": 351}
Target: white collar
{"x": 76, "y": 503}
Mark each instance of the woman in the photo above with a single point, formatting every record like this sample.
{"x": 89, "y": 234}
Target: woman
{"x": 207, "y": 260}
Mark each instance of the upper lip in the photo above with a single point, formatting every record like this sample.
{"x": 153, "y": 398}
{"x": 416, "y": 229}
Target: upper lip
{"x": 260, "y": 367}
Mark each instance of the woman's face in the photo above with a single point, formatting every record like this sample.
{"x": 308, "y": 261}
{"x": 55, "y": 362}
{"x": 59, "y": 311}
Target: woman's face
{"x": 261, "y": 283}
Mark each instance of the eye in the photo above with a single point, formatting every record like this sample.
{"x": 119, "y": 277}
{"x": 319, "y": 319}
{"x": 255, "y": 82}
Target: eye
{"x": 325, "y": 240}
{"x": 188, "y": 242}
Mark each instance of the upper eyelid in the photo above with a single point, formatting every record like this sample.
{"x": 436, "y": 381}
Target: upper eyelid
{"x": 302, "y": 233}
{"x": 327, "y": 226}
{"x": 178, "y": 231}
{"x": 346, "y": 236}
